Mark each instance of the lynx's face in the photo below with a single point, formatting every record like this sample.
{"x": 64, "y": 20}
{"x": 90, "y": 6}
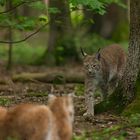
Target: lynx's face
{"x": 92, "y": 66}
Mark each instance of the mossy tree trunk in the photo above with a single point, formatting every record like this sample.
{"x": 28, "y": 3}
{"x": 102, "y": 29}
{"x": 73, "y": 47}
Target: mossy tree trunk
{"x": 125, "y": 93}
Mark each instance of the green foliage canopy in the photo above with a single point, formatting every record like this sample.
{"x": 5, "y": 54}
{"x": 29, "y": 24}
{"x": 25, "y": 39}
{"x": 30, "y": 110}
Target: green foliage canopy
{"x": 98, "y": 6}
{"x": 9, "y": 17}
{"x": 17, "y": 21}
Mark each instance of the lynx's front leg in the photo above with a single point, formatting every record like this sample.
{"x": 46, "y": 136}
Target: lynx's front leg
{"x": 89, "y": 97}
{"x": 104, "y": 90}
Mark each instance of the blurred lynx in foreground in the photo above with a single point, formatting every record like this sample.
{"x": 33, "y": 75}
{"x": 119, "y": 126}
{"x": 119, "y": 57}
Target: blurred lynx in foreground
{"x": 38, "y": 122}
{"x": 102, "y": 70}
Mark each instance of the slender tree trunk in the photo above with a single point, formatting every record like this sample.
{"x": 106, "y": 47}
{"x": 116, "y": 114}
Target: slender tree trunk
{"x": 60, "y": 23}
{"x": 125, "y": 93}
{"x": 9, "y": 64}
{"x": 60, "y": 30}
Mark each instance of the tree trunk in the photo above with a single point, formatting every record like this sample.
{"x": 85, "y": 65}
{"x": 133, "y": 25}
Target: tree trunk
{"x": 59, "y": 32}
{"x": 10, "y": 34}
{"x": 60, "y": 22}
{"x": 125, "y": 93}
{"x": 133, "y": 63}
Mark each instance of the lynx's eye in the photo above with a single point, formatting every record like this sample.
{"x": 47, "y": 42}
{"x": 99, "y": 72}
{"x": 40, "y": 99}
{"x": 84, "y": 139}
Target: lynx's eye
{"x": 97, "y": 67}
{"x": 93, "y": 66}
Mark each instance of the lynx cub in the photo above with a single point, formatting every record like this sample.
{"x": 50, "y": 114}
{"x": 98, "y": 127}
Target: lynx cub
{"x": 102, "y": 70}
{"x": 38, "y": 122}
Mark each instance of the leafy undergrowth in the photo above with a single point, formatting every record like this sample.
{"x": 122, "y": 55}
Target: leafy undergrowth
{"x": 4, "y": 101}
{"x": 23, "y": 53}
{"x": 127, "y": 129}
{"x": 112, "y": 133}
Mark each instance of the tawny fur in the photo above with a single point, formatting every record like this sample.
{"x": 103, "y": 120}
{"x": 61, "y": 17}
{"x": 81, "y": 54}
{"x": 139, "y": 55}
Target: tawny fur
{"x": 102, "y": 70}
{"x": 3, "y": 112}
{"x": 38, "y": 122}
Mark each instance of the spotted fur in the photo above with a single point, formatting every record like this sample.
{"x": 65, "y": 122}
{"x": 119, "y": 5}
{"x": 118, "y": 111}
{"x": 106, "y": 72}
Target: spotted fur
{"x": 102, "y": 71}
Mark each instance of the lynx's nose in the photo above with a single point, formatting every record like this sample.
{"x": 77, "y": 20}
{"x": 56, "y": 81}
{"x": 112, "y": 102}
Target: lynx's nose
{"x": 90, "y": 71}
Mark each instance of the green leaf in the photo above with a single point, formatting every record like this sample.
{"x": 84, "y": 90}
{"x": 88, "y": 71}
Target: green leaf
{"x": 24, "y": 23}
{"x": 53, "y": 10}
{"x": 2, "y": 2}
{"x": 38, "y": 5}
{"x": 95, "y": 5}
{"x": 15, "y": 2}
{"x": 29, "y": 24}
{"x": 98, "y": 6}
{"x": 43, "y": 18}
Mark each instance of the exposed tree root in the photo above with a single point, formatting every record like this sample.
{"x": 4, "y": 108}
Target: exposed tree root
{"x": 118, "y": 103}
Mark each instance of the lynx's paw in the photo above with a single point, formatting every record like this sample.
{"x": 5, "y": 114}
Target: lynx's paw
{"x": 88, "y": 116}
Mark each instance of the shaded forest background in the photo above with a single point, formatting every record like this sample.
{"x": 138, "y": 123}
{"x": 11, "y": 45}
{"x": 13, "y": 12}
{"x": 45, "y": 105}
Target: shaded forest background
{"x": 68, "y": 26}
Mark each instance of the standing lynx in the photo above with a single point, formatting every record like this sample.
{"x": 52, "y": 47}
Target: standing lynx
{"x": 102, "y": 70}
{"x": 38, "y": 122}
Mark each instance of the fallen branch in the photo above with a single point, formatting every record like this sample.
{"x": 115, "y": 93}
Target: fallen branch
{"x": 56, "y": 78}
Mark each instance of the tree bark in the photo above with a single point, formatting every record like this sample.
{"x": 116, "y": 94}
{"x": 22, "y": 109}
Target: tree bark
{"x": 133, "y": 62}
{"x": 125, "y": 93}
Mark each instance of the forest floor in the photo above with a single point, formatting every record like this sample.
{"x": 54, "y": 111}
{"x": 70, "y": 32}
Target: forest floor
{"x": 105, "y": 126}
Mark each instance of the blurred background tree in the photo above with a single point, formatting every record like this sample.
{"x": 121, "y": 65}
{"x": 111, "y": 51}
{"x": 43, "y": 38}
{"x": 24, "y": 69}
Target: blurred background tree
{"x": 60, "y": 40}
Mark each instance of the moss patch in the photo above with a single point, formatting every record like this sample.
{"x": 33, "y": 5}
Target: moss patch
{"x": 5, "y": 101}
{"x": 134, "y": 107}
{"x": 113, "y": 103}
{"x": 36, "y": 94}
{"x": 116, "y": 102}
{"x": 79, "y": 89}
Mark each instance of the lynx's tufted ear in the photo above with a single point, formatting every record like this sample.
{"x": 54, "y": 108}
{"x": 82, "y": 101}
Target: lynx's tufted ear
{"x": 98, "y": 55}
{"x": 83, "y": 53}
{"x": 71, "y": 95}
{"x": 51, "y": 98}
